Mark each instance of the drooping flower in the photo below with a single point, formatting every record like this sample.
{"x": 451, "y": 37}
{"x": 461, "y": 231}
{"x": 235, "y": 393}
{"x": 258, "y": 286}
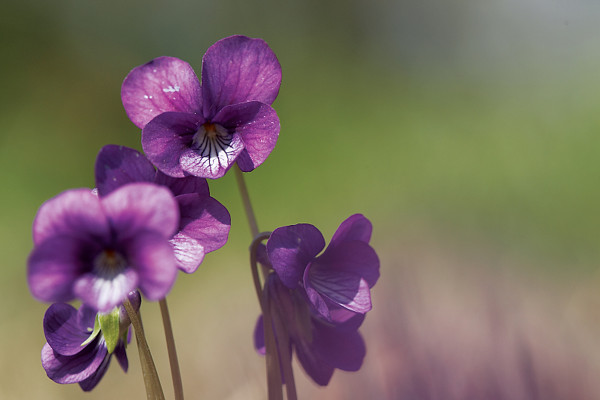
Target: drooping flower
{"x": 76, "y": 349}
{"x": 202, "y": 129}
{"x": 320, "y": 347}
{"x": 99, "y": 249}
{"x": 337, "y": 283}
{"x": 204, "y": 222}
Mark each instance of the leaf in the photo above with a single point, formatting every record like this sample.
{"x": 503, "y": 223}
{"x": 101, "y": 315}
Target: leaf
{"x": 109, "y": 324}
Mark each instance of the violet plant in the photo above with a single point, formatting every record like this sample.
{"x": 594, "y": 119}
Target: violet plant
{"x": 150, "y": 216}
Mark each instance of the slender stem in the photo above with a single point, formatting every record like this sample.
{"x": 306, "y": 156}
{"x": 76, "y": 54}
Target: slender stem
{"x": 253, "y": 265}
{"x": 151, "y": 380}
{"x": 285, "y": 356}
{"x": 274, "y": 381}
{"x": 175, "y": 372}
{"x": 246, "y": 200}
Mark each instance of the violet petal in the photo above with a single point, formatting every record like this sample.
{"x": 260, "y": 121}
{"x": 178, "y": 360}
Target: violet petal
{"x": 259, "y": 336}
{"x": 74, "y": 212}
{"x": 355, "y": 227}
{"x": 161, "y": 85}
{"x": 258, "y": 125}
{"x": 318, "y": 369}
{"x": 166, "y": 137}
{"x": 152, "y": 257}
{"x": 119, "y": 165}
{"x": 347, "y": 289}
{"x": 72, "y": 369}
{"x": 355, "y": 257}
{"x": 238, "y": 69}
{"x": 189, "y": 253}
{"x": 291, "y": 249}
{"x": 188, "y": 184}
{"x": 211, "y": 162}
{"x": 105, "y": 293}
{"x": 62, "y": 331}
{"x": 141, "y": 206}
{"x": 54, "y": 265}
{"x": 204, "y": 219}
{"x": 342, "y": 349}
{"x": 90, "y": 383}
{"x": 86, "y": 317}
{"x": 121, "y": 355}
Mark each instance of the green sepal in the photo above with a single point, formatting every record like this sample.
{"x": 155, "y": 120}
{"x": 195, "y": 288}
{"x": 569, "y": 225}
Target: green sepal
{"x": 109, "y": 324}
{"x": 94, "y": 332}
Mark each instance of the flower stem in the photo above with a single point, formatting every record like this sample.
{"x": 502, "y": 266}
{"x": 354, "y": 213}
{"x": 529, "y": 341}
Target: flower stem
{"x": 153, "y": 388}
{"x": 246, "y": 200}
{"x": 175, "y": 372}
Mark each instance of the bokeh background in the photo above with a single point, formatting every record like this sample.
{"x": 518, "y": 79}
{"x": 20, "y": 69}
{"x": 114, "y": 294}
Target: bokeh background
{"x": 467, "y": 131}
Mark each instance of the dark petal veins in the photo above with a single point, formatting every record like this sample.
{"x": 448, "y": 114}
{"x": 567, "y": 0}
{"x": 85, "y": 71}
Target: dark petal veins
{"x": 211, "y": 157}
{"x": 258, "y": 125}
{"x": 167, "y": 137}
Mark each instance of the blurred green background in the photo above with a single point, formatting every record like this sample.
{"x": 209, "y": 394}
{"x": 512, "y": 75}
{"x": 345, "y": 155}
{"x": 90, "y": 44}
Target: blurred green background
{"x": 466, "y": 131}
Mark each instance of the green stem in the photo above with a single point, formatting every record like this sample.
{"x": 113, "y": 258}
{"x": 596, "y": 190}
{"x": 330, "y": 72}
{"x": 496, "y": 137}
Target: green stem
{"x": 151, "y": 380}
{"x": 175, "y": 372}
{"x": 239, "y": 175}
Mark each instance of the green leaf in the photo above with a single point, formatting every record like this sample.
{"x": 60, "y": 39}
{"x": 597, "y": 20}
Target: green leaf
{"x": 94, "y": 332}
{"x": 109, "y": 324}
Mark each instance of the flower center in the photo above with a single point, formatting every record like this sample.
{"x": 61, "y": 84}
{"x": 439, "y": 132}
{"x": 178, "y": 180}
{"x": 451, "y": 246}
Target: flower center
{"x": 109, "y": 263}
{"x": 211, "y": 139}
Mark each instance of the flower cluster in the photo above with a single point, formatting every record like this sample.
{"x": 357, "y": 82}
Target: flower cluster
{"x": 151, "y": 215}
{"x": 321, "y": 300}
{"x": 76, "y": 350}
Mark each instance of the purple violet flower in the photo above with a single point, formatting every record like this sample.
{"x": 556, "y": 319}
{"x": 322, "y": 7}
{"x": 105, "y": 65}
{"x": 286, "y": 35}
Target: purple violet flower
{"x": 337, "y": 283}
{"x": 99, "y": 249}
{"x": 321, "y": 347}
{"x": 201, "y": 129}
{"x": 204, "y": 222}
{"x": 76, "y": 352}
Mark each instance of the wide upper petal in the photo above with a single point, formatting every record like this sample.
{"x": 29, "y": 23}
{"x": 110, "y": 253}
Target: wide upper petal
{"x": 62, "y": 330}
{"x": 76, "y": 368}
{"x": 238, "y": 69}
{"x": 163, "y": 84}
{"x": 291, "y": 249}
{"x": 75, "y": 212}
{"x": 54, "y": 265}
{"x": 355, "y": 227}
{"x": 138, "y": 207}
{"x": 119, "y": 165}
{"x": 258, "y": 125}
{"x": 355, "y": 257}
{"x": 167, "y": 137}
